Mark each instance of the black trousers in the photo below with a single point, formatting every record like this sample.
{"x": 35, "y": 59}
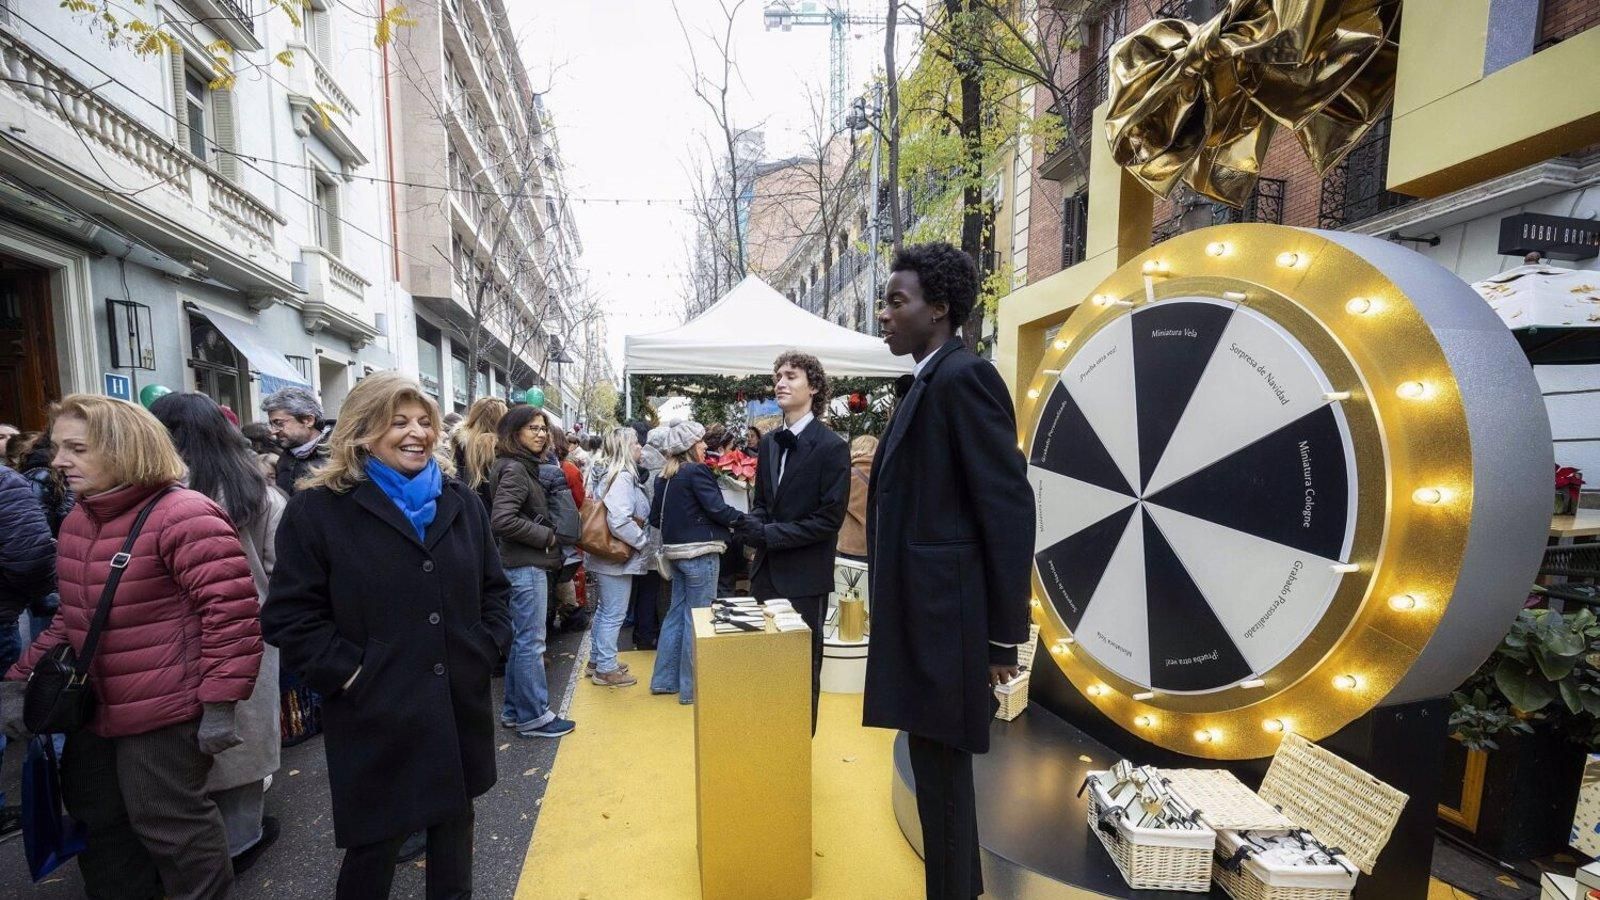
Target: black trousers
{"x": 368, "y": 870}
{"x": 948, "y": 809}
{"x": 646, "y": 615}
{"x": 813, "y": 610}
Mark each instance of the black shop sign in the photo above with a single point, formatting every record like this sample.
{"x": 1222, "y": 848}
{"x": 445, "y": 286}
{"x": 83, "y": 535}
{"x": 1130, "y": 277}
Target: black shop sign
{"x": 1554, "y": 237}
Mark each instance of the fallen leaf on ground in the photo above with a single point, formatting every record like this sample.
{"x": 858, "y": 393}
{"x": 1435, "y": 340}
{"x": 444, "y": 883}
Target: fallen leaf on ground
{"x": 293, "y": 772}
{"x": 849, "y": 759}
{"x": 529, "y": 772}
{"x": 504, "y": 746}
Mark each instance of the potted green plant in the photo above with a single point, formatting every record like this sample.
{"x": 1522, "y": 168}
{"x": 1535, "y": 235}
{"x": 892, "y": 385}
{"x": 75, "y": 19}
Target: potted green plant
{"x": 1534, "y": 708}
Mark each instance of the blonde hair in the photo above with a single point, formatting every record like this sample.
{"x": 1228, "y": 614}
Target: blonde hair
{"x": 865, "y": 444}
{"x": 617, "y": 451}
{"x": 363, "y": 418}
{"x": 477, "y": 437}
{"x": 134, "y": 445}
{"x": 675, "y": 462}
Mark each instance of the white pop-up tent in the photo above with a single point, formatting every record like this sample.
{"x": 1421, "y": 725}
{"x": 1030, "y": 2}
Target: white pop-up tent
{"x": 742, "y": 333}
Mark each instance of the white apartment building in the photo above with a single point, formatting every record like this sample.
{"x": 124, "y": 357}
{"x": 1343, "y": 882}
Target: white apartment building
{"x": 489, "y": 260}
{"x": 159, "y": 226}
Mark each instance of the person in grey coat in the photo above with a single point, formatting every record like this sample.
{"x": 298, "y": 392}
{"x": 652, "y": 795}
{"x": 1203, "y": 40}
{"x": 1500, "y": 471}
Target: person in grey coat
{"x": 223, "y": 467}
{"x": 613, "y": 481}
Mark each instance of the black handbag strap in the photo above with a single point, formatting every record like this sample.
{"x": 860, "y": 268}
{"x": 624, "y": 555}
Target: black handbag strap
{"x": 119, "y": 562}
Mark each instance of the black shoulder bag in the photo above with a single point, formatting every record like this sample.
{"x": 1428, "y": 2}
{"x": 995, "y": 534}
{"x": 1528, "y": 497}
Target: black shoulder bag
{"x": 59, "y": 698}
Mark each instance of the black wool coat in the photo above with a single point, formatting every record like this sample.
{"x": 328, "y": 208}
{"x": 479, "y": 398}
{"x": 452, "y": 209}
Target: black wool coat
{"x": 801, "y": 516}
{"x": 412, "y": 740}
{"x": 950, "y": 526}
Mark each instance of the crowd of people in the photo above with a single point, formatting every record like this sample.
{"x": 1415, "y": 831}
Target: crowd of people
{"x": 394, "y": 560}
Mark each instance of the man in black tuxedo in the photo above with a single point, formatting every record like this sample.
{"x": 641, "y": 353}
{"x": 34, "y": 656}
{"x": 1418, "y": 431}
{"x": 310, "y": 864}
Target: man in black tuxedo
{"x": 950, "y": 521}
{"x": 801, "y": 494}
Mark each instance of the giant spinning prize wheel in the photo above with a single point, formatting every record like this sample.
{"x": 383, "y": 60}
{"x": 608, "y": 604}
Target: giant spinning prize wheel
{"x": 1282, "y": 476}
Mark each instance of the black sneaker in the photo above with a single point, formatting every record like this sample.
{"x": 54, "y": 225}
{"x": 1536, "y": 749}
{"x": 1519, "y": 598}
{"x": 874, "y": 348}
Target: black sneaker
{"x": 10, "y": 821}
{"x": 269, "y": 836}
{"x": 554, "y": 728}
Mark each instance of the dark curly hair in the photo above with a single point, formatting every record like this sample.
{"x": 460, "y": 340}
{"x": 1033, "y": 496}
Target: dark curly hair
{"x": 947, "y": 276}
{"x": 815, "y": 376}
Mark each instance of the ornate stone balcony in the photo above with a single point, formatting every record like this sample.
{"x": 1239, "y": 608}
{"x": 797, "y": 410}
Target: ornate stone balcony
{"x": 335, "y": 298}
{"x": 101, "y": 158}
{"x": 322, "y": 107}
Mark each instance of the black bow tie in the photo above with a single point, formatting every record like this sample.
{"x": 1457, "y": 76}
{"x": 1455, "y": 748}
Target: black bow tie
{"x": 786, "y": 439}
{"x": 902, "y": 385}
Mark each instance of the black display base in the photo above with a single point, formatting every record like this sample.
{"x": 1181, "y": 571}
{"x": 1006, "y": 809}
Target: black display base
{"x": 1530, "y": 792}
{"x": 1402, "y": 745}
{"x": 1032, "y": 825}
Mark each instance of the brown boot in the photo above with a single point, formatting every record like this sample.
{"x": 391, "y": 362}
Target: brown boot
{"x": 619, "y": 678}
{"x": 591, "y": 668}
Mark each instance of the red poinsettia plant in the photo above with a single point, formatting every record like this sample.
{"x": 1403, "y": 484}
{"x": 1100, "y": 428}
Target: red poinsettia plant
{"x": 737, "y": 467}
{"x": 1569, "y": 481}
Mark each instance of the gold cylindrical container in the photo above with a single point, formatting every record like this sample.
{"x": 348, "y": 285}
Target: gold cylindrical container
{"x": 852, "y": 618}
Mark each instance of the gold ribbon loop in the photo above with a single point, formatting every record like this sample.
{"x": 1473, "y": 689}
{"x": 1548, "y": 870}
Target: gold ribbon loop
{"x": 1198, "y": 103}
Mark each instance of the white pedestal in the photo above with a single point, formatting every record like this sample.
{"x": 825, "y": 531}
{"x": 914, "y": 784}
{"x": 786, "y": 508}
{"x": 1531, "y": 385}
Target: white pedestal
{"x": 844, "y": 663}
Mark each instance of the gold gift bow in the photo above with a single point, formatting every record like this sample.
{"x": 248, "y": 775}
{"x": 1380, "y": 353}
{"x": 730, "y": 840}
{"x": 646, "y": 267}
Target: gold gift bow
{"x": 1198, "y": 103}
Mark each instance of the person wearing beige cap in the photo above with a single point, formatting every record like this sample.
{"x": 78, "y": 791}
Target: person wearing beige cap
{"x": 696, "y": 525}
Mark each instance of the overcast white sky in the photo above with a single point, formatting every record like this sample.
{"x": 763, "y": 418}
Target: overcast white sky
{"x": 628, "y": 120}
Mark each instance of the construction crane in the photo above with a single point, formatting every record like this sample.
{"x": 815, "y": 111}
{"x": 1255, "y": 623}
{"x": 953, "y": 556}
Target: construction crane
{"x": 784, "y": 15}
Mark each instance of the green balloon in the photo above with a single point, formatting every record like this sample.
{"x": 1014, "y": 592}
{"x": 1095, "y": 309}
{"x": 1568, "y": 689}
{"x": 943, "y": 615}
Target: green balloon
{"x": 150, "y": 393}
{"x": 535, "y": 397}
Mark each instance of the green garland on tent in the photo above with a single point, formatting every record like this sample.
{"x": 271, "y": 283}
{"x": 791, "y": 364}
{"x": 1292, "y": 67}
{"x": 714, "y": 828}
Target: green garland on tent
{"x": 714, "y": 397}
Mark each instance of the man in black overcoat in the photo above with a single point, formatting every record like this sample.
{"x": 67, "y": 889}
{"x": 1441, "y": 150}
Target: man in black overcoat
{"x": 801, "y": 493}
{"x": 950, "y": 521}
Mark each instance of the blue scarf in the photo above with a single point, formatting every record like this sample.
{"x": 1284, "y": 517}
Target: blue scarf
{"x": 416, "y": 496}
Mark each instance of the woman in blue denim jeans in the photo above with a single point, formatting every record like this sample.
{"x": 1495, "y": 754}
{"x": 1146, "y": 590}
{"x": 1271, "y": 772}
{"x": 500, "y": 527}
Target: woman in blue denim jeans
{"x": 695, "y": 526}
{"x": 611, "y": 481}
{"x": 525, "y": 528}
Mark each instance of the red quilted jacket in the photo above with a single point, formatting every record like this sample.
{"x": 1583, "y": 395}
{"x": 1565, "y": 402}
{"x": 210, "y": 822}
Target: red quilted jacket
{"x": 185, "y": 626}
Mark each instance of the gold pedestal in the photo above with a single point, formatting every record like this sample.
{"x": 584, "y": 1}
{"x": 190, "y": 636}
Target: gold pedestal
{"x": 752, "y": 749}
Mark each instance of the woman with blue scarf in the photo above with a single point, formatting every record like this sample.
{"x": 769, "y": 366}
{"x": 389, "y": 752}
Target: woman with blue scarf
{"x": 389, "y": 600}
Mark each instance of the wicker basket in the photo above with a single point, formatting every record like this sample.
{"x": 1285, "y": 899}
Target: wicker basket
{"x": 1026, "y": 651}
{"x": 1154, "y": 859}
{"x": 1013, "y": 697}
{"x": 1341, "y": 805}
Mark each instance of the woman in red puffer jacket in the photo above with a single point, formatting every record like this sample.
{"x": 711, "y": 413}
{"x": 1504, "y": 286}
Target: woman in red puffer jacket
{"x": 181, "y": 647}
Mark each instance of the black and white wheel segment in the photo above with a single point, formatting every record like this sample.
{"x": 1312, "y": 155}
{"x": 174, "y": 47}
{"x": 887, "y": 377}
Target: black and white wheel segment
{"x": 1196, "y": 495}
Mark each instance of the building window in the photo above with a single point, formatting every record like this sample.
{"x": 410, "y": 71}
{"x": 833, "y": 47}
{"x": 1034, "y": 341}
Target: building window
{"x": 197, "y": 112}
{"x": 319, "y": 32}
{"x": 458, "y": 382}
{"x": 325, "y": 199}
{"x": 1074, "y": 229}
{"x": 205, "y": 121}
{"x": 216, "y": 366}
{"x": 428, "y": 339}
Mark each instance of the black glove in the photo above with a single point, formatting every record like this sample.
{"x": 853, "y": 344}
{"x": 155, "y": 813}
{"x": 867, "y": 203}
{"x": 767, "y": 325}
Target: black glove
{"x": 751, "y": 531}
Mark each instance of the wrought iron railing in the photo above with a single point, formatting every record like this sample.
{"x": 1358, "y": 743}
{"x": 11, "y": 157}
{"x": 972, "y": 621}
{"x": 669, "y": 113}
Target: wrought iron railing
{"x": 244, "y": 11}
{"x": 1173, "y": 9}
{"x": 1077, "y": 118}
{"x": 1356, "y": 188}
{"x": 1265, "y": 204}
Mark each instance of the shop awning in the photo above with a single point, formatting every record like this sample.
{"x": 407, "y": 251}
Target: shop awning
{"x": 273, "y": 369}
